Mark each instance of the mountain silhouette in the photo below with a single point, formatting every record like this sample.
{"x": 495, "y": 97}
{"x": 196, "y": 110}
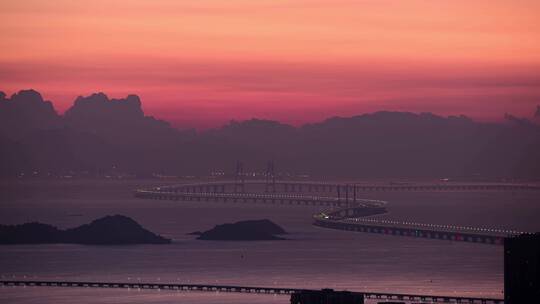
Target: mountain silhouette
{"x": 98, "y": 134}
{"x": 536, "y": 117}
{"x": 25, "y": 112}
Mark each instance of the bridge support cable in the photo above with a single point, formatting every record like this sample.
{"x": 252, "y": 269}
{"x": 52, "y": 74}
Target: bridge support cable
{"x": 270, "y": 177}
{"x": 239, "y": 180}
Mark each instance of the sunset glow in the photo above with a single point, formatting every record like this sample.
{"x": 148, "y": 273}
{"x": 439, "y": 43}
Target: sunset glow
{"x": 202, "y": 63}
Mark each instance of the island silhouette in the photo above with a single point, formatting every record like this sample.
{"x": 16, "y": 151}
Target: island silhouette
{"x": 109, "y": 230}
{"x": 249, "y": 230}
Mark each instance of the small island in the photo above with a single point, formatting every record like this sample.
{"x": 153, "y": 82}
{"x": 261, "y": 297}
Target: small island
{"x": 252, "y": 230}
{"x": 109, "y": 230}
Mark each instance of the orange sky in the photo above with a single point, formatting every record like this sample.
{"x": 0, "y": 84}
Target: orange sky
{"x": 201, "y": 63}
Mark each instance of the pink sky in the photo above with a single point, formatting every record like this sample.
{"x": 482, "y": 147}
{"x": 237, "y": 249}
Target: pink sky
{"x": 202, "y": 63}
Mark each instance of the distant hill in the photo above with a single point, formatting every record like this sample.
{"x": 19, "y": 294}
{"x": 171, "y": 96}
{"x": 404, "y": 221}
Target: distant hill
{"x": 109, "y": 230}
{"x": 253, "y": 230}
{"x": 98, "y": 134}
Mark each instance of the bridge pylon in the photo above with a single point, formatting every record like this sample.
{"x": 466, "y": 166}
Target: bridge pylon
{"x": 239, "y": 180}
{"x": 270, "y": 177}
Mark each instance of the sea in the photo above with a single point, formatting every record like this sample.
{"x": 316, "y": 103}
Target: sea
{"x": 311, "y": 257}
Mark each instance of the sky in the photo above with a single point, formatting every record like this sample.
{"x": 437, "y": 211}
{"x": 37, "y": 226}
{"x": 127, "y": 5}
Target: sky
{"x": 202, "y": 63}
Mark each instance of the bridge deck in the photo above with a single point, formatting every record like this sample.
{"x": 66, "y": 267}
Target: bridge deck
{"x": 407, "y": 231}
{"x": 363, "y": 186}
{"x": 259, "y": 197}
{"x": 241, "y": 289}
{"x": 435, "y": 227}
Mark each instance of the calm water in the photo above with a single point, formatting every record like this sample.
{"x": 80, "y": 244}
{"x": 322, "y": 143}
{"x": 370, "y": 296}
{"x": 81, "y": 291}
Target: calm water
{"x": 312, "y": 258}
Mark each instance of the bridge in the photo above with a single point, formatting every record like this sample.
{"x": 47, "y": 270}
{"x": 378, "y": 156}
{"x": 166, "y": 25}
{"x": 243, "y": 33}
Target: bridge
{"x": 244, "y": 289}
{"x": 347, "y": 212}
{"x": 166, "y": 193}
{"x": 343, "y": 188}
{"x": 419, "y": 230}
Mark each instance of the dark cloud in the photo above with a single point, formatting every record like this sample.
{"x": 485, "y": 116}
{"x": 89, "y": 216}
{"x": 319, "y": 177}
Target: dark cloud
{"x": 26, "y": 111}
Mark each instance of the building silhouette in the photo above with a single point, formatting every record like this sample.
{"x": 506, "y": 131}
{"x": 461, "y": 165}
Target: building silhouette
{"x": 326, "y": 296}
{"x": 522, "y": 269}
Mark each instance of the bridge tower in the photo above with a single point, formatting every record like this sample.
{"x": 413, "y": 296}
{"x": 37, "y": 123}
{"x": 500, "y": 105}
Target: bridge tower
{"x": 270, "y": 177}
{"x": 239, "y": 180}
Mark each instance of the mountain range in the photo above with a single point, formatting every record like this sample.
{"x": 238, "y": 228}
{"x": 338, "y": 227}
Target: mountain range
{"x": 98, "y": 134}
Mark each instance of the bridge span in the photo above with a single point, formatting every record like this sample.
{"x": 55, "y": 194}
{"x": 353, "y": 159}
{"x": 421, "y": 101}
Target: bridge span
{"x": 438, "y": 232}
{"x": 347, "y": 212}
{"x": 165, "y": 193}
{"x": 244, "y": 289}
{"x": 343, "y": 188}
